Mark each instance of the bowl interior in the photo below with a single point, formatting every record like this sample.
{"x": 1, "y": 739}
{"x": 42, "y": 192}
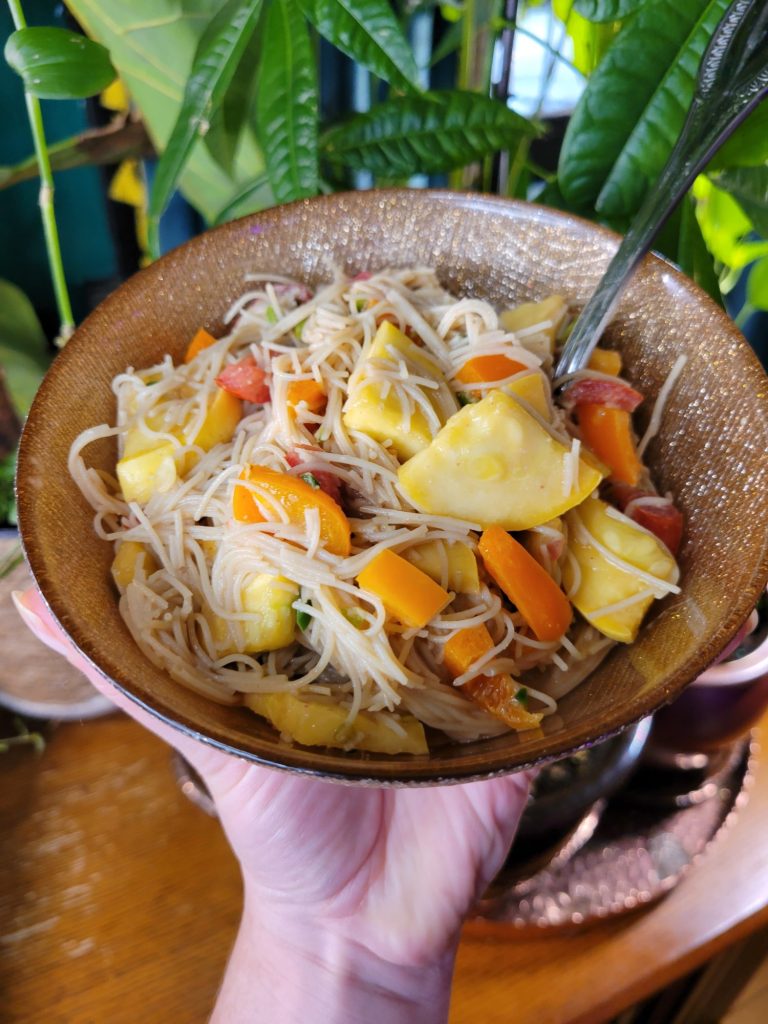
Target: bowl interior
{"x": 710, "y": 452}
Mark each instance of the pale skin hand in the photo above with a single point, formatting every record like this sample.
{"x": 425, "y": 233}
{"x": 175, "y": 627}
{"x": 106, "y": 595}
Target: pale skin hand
{"x": 354, "y": 897}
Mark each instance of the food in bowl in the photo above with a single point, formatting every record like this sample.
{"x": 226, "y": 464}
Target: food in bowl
{"x": 314, "y": 515}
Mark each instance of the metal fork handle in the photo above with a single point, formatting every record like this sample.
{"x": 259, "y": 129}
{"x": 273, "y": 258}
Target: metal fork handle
{"x": 704, "y": 131}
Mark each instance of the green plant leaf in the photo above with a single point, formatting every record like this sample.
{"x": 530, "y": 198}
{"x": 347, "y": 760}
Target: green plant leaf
{"x": 652, "y": 138}
{"x": 749, "y": 187}
{"x": 618, "y": 93}
{"x": 230, "y": 120}
{"x": 693, "y": 256}
{"x": 20, "y": 329}
{"x": 748, "y": 146}
{"x": 725, "y": 227}
{"x": 152, "y": 44}
{"x": 57, "y": 64}
{"x": 590, "y": 40}
{"x": 286, "y": 104}
{"x": 214, "y": 65}
{"x": 24, "y": 352}
{"x": 368, "y": 32}
{"x": 435, "y": 132}
{"x": 757, "y": 285}
{"x": 607, "y": 10}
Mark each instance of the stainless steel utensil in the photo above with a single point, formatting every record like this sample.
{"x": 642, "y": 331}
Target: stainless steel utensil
{"x": 732, "y": 79}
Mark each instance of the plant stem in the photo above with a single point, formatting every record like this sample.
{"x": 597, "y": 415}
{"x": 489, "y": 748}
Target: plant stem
{"x": 457, "y": 178}
{"x": 67, "y": 321}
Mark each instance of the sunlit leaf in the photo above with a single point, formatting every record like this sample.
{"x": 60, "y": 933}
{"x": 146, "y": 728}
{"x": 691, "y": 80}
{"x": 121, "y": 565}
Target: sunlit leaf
{"x": 725, "y": 226}
{"x": 749, "y": 187}
{"x": 757, "y": 285}
{"x": 590, "y": 40}
{"x": 286, "y": 103}
{"x": 57, "y": 64}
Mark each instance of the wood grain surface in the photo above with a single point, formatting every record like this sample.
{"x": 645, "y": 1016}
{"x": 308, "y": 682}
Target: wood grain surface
{"x": 119, "y": 901}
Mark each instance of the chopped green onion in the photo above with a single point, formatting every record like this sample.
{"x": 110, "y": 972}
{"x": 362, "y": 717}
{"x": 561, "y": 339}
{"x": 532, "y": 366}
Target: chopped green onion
{"x": 360, "y": 304}
{"x": 303, "y": 618}
{"x": 522, "y": 696}
{"x": 271, "y": 315}
{"x": 311, "y": 479}
{"x": 298, "y": 330}
{"x": 465, "y": 398}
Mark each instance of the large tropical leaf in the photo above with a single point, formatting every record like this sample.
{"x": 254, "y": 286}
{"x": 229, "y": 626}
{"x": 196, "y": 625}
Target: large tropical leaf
{"x": 651, "y": 140}
{"x": 151, "y": 44}
{"x": 434, "y": 132}
{"x": 286, "y": 103}
{"x": 608, "y": 10}
{"x": 57, "y": 64}
{"x": 618, "y": 93}
{"x": 368, "y": 32}
{"x": 216, "y": 59}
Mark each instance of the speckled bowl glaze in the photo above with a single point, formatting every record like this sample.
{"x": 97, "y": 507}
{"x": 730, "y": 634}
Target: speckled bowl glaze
{"x": 711, "y": 451}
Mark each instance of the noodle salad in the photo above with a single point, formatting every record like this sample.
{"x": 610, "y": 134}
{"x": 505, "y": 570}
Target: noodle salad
{"x": 369, "y": 509}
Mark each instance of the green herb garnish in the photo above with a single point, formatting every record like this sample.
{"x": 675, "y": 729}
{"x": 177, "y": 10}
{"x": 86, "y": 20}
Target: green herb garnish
{"x": 360, "y": 304}
{"x": 23, "y": 737}
{"x": 465, "y": 398}
{"x": 298, "y": 330}
{"x": 311, "y": 479}
{"x": 522, "y": 696}
{"x": 271, "y": 315}
{"x": 303, "y": 618}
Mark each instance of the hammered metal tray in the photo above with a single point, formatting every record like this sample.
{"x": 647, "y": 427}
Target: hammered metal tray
{"x": 634, "y": 854}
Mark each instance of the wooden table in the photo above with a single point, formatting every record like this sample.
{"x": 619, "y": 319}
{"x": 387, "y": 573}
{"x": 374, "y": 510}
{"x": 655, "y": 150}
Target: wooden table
{"x": 119, "y": 901}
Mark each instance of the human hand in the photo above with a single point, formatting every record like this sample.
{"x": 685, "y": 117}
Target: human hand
{"x": 353, "y": 896}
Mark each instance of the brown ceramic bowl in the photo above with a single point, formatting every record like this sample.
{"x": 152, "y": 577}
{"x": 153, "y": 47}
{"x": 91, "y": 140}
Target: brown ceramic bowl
{"x": 711, "y": 452}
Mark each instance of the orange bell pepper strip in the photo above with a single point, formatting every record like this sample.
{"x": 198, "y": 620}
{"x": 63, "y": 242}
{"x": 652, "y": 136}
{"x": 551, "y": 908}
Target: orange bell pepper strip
{"x": 481, "y": 369}
{"x": 605, "y": 360}
{"x": 200, "y": 341}
{"x": 308, "y": 391}
{"x": 295, "y": 497}
{"x": 527, "y": 584}
{"x": 465, "y": 647}
{"x": 499, "y": 694}
{"x": 607, "y": 432}
{"x": 406, "y": 592}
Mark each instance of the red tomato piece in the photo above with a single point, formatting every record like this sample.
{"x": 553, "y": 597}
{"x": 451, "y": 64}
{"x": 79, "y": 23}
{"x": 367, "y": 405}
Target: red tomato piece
{"x": 616, "y": 394}
{"x": 665, "y": 521}
{"x": 245, "y": 380}
{"x": 328, "y": 482}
